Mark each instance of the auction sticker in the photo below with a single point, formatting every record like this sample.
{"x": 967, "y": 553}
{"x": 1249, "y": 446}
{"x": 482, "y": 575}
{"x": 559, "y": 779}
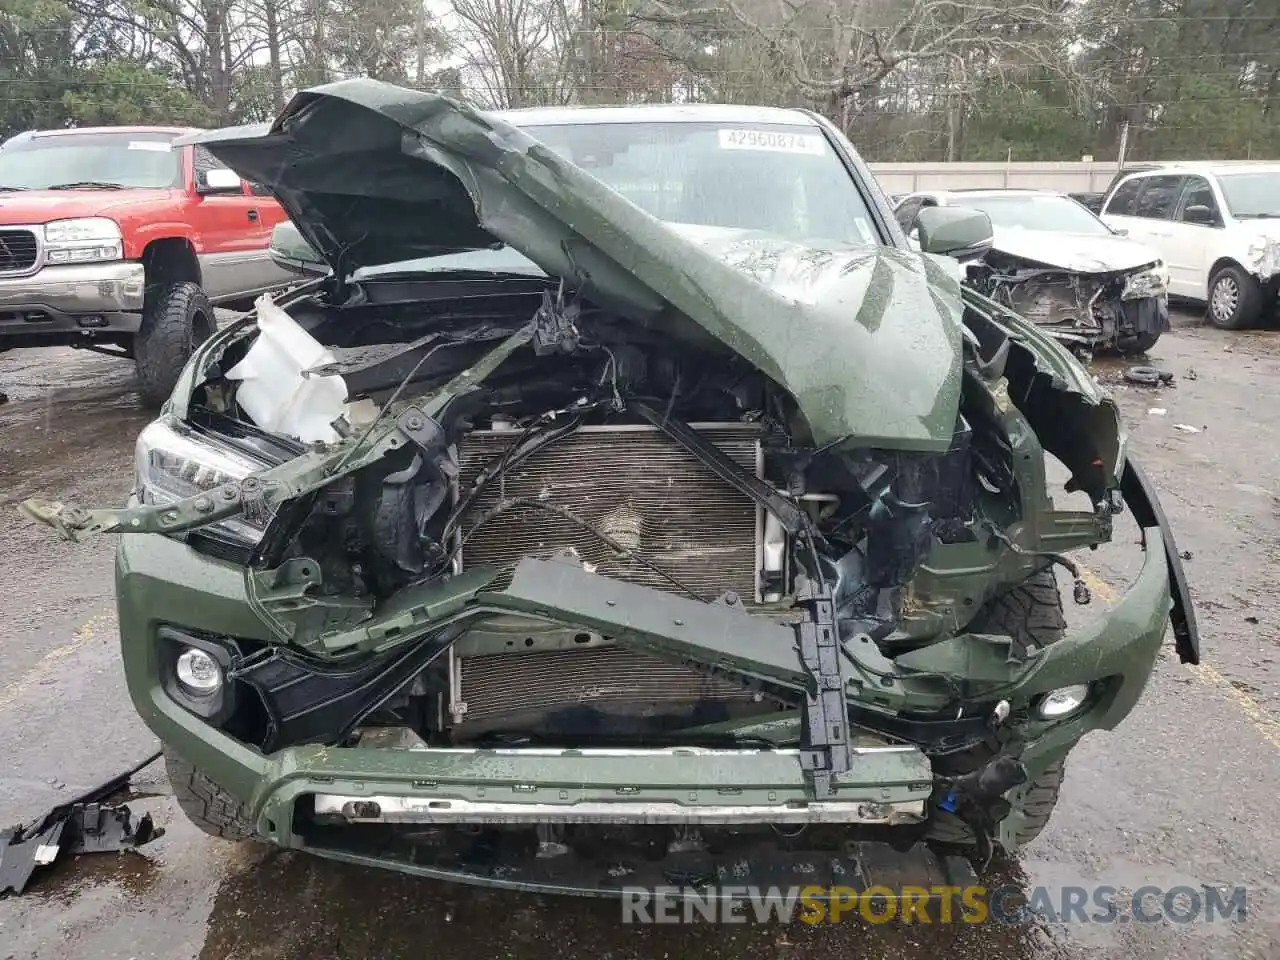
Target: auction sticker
{"x": 158, "y": 146}
{"x": 772, "y": 141}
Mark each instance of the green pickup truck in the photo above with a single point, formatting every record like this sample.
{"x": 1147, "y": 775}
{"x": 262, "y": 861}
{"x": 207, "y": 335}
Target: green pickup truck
{"x": 626, "y": 503}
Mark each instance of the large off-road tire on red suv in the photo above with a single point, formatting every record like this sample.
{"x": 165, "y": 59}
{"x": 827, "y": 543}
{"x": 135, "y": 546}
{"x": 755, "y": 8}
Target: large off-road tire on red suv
{"x": 177, "y": 318}
{"x": 206, "y": 804}
{"x": 1030, "y": 613}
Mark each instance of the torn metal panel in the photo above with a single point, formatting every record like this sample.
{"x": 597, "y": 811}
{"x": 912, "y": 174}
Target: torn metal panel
{"x": 1117, "y": 311}
{"x": 1264, "y": 258}
{"x": 1053, "y": 299}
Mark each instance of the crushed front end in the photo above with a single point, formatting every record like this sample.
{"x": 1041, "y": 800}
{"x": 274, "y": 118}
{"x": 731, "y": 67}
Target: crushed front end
{"x": 661, "y": 576}
{"x": 1117, "y": 311}
{"x": 610, "y": 643}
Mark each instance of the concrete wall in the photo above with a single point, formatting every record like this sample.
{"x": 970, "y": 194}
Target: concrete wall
{"x": 1067, "y": 176}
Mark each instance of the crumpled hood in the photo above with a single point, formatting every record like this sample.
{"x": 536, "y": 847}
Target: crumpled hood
{"x": 866, "y": 339}
{"x": 1079, "y": 253}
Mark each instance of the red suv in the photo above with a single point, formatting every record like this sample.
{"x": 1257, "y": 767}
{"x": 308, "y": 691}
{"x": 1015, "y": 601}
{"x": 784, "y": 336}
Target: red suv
{"x": 114, "y": 239}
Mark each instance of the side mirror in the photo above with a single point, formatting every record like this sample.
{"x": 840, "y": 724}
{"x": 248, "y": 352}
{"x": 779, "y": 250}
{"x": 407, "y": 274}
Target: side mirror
{"x": 954, "y": 232}
{"x": 1199, "y": 213}
{"x": 219, "y": 180}
{"x": 1120, "y": 231}
{"x": 289, "y": 251}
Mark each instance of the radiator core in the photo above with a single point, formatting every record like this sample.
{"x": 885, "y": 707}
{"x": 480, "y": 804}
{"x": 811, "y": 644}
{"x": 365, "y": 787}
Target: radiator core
{"x": 633, "y": 483}
{"x": 660, "y": 502}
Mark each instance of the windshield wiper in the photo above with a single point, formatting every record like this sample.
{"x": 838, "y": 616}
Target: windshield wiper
{"x": 6, "y": 189}
{"x": 86, "y": 185}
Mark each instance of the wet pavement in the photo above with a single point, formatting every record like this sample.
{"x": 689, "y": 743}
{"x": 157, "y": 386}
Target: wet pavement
{"x": 1180, "y": 795}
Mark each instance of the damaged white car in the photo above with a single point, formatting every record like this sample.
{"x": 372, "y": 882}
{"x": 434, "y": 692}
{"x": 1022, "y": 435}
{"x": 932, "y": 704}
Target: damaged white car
{"x": 1058, "y": 265}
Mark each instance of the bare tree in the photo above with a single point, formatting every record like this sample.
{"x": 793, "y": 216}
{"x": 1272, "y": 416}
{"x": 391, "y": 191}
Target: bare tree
{"x": 836, "y": 52}
{"x": 520, "y": 52}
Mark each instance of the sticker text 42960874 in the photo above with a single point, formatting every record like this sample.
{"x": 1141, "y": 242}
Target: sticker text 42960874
{"x": 771, "y": 140}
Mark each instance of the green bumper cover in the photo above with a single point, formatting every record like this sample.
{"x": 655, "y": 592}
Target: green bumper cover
{"x": 162, "y": 581}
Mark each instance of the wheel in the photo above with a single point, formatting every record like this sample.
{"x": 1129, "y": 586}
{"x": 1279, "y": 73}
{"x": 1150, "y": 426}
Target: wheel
{"x": 176, "y": 320}
{"x": 1235, "y": 298}
{"x": 1030, "y": 613}
{"x": 1040, "y": 798}
{"x": 205, "y": 803}
{"x": 1139, "y": 344}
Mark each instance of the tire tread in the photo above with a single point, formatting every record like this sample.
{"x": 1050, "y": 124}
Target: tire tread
{"x": 1031, "y": 613}
{"x": 168, "y": 336}
{"x": 206, "y": 804}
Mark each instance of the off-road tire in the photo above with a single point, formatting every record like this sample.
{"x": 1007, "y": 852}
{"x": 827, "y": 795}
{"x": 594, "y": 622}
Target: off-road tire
{"x": 1248, "y": 299}
{"x": 206, "y": 804}
{"x": 1030, "y": 613}
{"x": 1038, "y": 801}
{"x": 177, "y": 318}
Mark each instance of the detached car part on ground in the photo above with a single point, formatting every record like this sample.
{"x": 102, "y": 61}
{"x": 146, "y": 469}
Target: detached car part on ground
{"x": 1056, "y": 264}
{"x": 656, "y": 555}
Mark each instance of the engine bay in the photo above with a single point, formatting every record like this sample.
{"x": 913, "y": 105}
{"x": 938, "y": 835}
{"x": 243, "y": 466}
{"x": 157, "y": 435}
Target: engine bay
{"x": 645, "y": 453}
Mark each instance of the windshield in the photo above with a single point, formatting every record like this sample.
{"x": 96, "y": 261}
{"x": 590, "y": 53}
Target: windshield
{"x": 1251, "y": 194}
{"x": 781, "y": 179}
{"x": 1039, "y": 212}
{"x": 777, "y": 178}
{"x": 117, "y": 159}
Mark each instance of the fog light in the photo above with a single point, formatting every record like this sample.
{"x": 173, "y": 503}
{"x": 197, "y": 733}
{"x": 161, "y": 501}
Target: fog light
{"x": 198, "y": 672}
{"x": 1063, "y": 702}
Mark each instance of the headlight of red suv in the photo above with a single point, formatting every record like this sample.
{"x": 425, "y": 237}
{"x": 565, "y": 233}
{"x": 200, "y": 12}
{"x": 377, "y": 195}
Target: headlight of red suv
{"x": 84, "y": 240}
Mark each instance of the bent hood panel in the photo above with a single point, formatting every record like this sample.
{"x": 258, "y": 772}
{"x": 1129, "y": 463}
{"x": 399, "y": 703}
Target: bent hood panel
{"x": 1078, "y": 253}
{"x": 866, "y": 339}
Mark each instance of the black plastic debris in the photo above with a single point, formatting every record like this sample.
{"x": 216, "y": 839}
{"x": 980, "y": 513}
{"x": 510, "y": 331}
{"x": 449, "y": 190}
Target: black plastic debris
{"x": 86, "y": 824}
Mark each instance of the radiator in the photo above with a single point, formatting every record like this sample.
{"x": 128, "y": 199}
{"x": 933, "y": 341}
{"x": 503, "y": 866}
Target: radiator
{"x": 658, "y": 501}
{"x": 648, "y": 493}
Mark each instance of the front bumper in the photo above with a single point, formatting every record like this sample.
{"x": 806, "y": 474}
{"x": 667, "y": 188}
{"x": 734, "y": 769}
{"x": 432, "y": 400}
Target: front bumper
{"x": 162, "y": 581}
{"x": 72, "y": 301}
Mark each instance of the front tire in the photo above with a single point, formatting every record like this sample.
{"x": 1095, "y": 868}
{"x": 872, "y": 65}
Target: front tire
{"x": 177, "y": 319}
{"x": 1235, "y": 298}
{"x": 1031, "y": 614}
{"x": 206, "y": 804}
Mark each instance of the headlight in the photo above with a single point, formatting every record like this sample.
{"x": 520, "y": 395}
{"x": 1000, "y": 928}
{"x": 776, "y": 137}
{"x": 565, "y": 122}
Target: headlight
{"x": 1063, "y": 702}
{"x": 172, "y": 465}
{"x": 86, "y": 240}
{"x": 198, "y": 672}
{"x": 1148, "y": 283}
